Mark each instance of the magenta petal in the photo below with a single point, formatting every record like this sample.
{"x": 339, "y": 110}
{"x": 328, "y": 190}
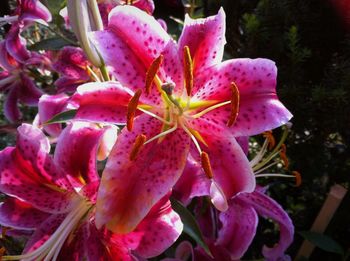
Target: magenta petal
{"x": 192, "y": 183}
{"x": 43, "y": 232}
{"x": 243, "y": 141}
{"x": 76, "y": 151}
{"x": 145, "y": 5}
{"x": 159, "y": 230}
{"x": 16, "y": 44}
{"x": 6, "y": 61}
{"x": 260, "y": 109}
{"x": 49, "y": 106}
{"x": 102, "y": 102}
{"x": 238, "y": 229}
{"x": 11, "y": 110}
{"x": 20, "y": 215}
{"x": 230, "y": 166}
{"x": 130, "y": 188}
{"x": 29, "y": 93}
{"x": 34, "y": 11}
{"x": 269, "y": 208}
{"x": 206, "y": 40}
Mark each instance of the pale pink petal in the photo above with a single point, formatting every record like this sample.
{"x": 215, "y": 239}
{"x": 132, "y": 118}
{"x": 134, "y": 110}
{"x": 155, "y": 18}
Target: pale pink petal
{"x": 11, "y": 110}
{"x": 28, "y": 92}
{"x": 129, "y": 188}
{"x": 259, "y": 109}
{"x": 76, "y": 151}
{"x": 238, "y": 229}
{"x": 268, "y": 208}
{"x": 230, "y": 166}
{"x": 16, "y": 44}
{"x": 192, "y": 183}
{"x": 160, "y": 229}
{"x": 43, "y": 232}
{"x": 102, "y": 102}
{"x": 49, "y": 106}
{"x": 17, "y": 214}
{"x": 34, "y": 11}
{"x": 218, "y": 197}
{"x": 206, "y": 40}
{"x": 107, "y": 142}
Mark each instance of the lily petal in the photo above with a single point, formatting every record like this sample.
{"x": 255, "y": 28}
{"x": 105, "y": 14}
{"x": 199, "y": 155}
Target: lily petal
{"x": 130, "y": 188}
{"x": 49, "y": 106}
{"x": 238, "y": 229}
{"x": 29, "y": 93}
{"x": 206, "y": 40}
{"x": 76, "y": 151}
{"x": 16, "y": 44}
{"x": 231, "y": 169}
{"x": 159, "y": 229}
{"x": 269, "y": 208}
{"x": 11, "y": 110}
{"x": 17, "y": 214}
{"x": 6, "y": 61}
{"x": 259, "y": 110}
{"x": 102, "y": 102}
{"x": 34, "y": 11}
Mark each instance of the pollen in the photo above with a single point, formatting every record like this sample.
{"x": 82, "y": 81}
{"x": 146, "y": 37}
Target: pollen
{"x": 132, "y": 106}
{"x": 283, "y": 155}
{"x": 139, "y": 141}
{"x": 206, "y": 165}
{"x": 297, "y": 178}
{"x": 188, "y": 66}
{"x": 270, "y": 139}
{"x": 152, "y": 72}
{"x": 234, "y": 104}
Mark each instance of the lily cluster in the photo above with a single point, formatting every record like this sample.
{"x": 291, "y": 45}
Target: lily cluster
{"x": 151, "y": 119}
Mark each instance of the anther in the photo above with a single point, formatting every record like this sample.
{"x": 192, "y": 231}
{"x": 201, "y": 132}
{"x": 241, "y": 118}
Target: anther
{"x": 270, "y": 139}
{"x": 297, "y": 178}
{"x": 139, "y": 141}
{"x": 152, "y": 72}
{"x": 206, "y": 165}
{"x": 283, "y": 155}
{"x": 188, "y": 66}
{"x": 131, "y": 110}
{"x": 2, "y": 252}
{"x": 234, "y": 105}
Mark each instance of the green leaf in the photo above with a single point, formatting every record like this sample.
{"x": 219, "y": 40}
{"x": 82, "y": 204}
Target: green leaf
{"x": 191, "y": 227}
{"x": 55, "y": 5}
{"x": 322, "y": 241}
{"x": 53, "y": 44}
{"x": 62, "y": 117}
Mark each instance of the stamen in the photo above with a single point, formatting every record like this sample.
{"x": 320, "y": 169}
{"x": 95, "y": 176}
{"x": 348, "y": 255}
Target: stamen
{"x": 154, "y": 116}
{"x": 132, "y": 106}
{"x": 93, "y": 74}
{"x": 297, "y": 177}
{"x": 272, "y": 142}
{"x": 206, "y": 165}
{"x": 192, "y": 137}
{"x": 266, "y": 167}
{"x": 162, "y": 134}
{"x": 152, "y": 72}
{"x": 209, "y": 109}
{"x": 2, "y": 252}
{"x": 139, "y": 142}
{"x": 283, "y": 156}
{"x": 188, "y": 66}
{"x": 234, "y": 105}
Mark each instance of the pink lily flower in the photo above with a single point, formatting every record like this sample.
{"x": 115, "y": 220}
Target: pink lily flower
{"x": 72, "y": 65}
{"x": 189, "y": 102}
{"x": 15, "y": 81}
{"x": 56, "y": 198}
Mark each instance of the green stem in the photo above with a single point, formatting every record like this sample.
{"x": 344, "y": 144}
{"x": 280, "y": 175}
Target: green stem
{"x": 105, "y": 73}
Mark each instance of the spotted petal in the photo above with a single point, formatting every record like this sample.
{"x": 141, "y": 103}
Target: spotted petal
{"x": 129, "y": 188}
{"x": 259, "y": 109}
{"x": 102, "y": 102}
{"x": 206, "y": 40}
{"x": 238, "y": 229}
{"x": 76, "y": 151}
{"x": 230, "y": 166}
{"x": 17, "y": 214}
{"x": 269, "y": 208}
